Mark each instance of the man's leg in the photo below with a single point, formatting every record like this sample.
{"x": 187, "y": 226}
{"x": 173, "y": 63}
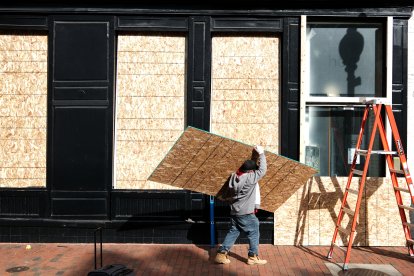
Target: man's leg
{"x": 250, "y": 225}
{"x": 231, "y": 236}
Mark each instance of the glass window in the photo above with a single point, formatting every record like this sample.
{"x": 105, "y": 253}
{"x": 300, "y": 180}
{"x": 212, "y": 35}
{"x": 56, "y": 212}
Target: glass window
{"x": 346, "y": 63}
{"x": 333, "y": 134}
{"x": 346, "y": 60}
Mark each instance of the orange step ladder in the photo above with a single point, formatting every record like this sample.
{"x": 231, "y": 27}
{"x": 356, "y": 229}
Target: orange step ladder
{"x": 376, "y": 106}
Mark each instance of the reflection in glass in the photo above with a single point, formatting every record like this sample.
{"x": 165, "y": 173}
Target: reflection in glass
{"x": 346, "y": 60}
{"x": 333, "y": 134}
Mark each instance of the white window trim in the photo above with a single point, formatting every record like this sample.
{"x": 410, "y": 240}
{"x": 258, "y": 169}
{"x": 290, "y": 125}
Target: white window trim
{"x": 305, "y": 99}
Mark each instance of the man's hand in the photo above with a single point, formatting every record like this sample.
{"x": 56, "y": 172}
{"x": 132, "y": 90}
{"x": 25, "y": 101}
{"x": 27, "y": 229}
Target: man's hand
{"x": 259, "y": 149}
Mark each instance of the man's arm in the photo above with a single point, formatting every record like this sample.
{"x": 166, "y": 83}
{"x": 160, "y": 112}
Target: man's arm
{"x": 261, "y": 171}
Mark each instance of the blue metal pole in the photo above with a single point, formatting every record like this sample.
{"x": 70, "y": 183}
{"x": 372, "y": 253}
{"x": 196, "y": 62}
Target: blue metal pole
{"x": 212, "y": 230}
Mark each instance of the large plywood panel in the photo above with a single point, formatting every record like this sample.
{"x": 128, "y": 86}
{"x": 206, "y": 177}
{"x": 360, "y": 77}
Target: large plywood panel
{"x": 202, "y": 162}
{"x": 23, "y": 109}
{"x": 149, "y": 105}
{"x": 245, "y": 88}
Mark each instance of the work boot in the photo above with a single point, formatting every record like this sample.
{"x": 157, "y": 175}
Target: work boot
{"x": 222, "y": 258}
{"x": 251, "y": 260}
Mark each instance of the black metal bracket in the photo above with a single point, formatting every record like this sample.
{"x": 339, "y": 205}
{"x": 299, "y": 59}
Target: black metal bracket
{"x": 99, "y": 229}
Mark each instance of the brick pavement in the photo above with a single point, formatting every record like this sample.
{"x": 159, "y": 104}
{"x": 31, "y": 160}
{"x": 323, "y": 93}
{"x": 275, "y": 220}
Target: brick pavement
{"x": 155, "y": 259}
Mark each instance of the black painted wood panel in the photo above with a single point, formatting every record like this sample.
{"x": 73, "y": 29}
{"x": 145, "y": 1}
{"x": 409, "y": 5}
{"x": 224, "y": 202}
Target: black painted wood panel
{"x": 149, "y": 204}
{"x": 80, "y": 51}
{"x": 199, "y": 73}
{"x": 152, "y": 23}
{"x": 399, "y": 77}
{"x": 290, "y": 87}
{"x": 23, "y": 22}
{"x": 82, "y": 58}
{"x": 23, "y": 203}
{"x": 248, "y": 24}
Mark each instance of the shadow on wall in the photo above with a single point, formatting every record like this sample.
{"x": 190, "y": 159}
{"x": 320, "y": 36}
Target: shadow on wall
{"x": 326, "y": 200}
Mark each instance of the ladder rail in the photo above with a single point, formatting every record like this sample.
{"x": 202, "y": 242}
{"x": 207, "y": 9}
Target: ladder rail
{"x": 400, "y": 150}
{"x": 362, "y": 183}
{"x": 403, "y": 161}
{"x": 348, "y": 184}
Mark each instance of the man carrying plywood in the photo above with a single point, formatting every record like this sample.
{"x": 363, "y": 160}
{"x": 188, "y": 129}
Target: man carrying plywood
{"x": 244, "y": 202}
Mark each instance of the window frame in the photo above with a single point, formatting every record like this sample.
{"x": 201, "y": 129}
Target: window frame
{"x": 306, "y": 100}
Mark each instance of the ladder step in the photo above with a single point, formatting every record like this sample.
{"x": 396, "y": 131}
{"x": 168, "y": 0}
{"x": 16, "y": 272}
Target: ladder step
{"x": 401, "y": 189}
{"x": 362, "y": 152}
{"x": 358, "y": 172}
{"x": 386, "y": 152}
{"x": 352, "y": 191}
{"x": 375, "y": 101}
{"x": 397, "y": 171}
{"x": 365, "y": 152}
{"x": 406, "y": 207}
{"x": 343, "y": 230}
{"x": 348, "y": 211}
{"x": 410, "y": 241}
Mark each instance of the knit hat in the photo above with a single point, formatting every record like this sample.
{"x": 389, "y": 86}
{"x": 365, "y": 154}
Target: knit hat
{"x": 248, "y": 165}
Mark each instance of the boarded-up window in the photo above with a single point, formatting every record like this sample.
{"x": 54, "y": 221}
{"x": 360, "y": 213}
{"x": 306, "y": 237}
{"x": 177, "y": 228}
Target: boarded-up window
{"x": 245, "y": 89}
{"x": 23, "y": 109}
{"x": 149, "y": 105}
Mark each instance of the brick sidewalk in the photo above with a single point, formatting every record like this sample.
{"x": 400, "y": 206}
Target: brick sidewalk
{"x": 155, "y": 259}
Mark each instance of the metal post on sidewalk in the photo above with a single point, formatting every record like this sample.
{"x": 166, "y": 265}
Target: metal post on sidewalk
{"x": 212, "y": 226}
{"x": 99, "y": 229}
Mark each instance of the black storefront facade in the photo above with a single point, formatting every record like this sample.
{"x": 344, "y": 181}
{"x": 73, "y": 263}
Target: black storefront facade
{"x": 79, "y": 197}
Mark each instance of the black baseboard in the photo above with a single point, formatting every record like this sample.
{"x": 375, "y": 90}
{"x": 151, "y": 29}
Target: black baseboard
{"x": 157, "y": 232}
{"x": 153, "y": 216}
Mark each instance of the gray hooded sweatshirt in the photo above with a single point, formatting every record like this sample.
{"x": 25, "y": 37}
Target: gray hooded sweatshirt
{"x": 244, "y": 189}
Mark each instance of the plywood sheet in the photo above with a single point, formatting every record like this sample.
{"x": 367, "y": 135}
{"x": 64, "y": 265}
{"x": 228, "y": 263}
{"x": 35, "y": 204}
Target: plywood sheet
{"x": 202, "y": 162}
{"x": 246, "y": 82}
{"x": 150, "y": 105}
{"x": 23, "y": 109}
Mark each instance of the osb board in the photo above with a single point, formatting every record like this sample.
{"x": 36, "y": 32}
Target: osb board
{"x": 202, "y": 162}
{"x": 23, "y": 109}
{"x": 319, "y": 201}
{"x": 149, "y": 105}
{"x": 245, "y": 89}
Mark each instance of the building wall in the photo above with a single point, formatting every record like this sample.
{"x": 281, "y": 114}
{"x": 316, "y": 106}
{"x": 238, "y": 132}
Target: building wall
{"x": 150, "y": 113}
{"x": 23, "y": 109}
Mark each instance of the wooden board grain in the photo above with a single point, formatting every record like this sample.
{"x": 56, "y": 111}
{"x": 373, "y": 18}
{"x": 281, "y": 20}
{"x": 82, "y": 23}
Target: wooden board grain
{"x": 23, "y": 108}
{"x": 202, "y": 162}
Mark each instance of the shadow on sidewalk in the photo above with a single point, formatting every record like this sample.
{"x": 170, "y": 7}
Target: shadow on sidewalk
{"x": 383, "y": 251}
{"x": 154, "y": 260}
